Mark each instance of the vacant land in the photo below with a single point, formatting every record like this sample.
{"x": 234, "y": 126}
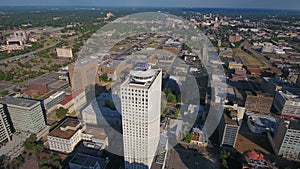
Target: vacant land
{"x": 248, "y": 59}
{"x": 247, "y": 140}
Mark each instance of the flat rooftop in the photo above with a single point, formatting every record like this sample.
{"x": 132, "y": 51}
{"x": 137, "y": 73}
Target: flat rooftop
{"x": 229, "y": 120}
{"x": 66, "y": 129}
{"x": 21, "y": 102}
{"x": 98, "y": 133}
{"x": 85, "y": 62}
{"x": 146, "y": 85}
{"x": 262, "y": 120}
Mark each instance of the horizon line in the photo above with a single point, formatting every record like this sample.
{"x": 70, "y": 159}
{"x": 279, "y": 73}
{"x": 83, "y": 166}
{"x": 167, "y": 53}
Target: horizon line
{"x": 155, "y": 7}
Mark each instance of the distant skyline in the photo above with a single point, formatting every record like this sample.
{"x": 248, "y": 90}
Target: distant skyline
{"x": 267, "y": 4}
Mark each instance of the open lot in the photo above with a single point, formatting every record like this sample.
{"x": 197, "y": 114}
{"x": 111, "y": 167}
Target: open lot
{"x": 251, "y": 141}
{"x": 248, "y": 59}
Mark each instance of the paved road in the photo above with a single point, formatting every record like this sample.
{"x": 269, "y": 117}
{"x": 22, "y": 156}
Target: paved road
{"x": 14, "y": 58}
{"x": 71, "y": 38}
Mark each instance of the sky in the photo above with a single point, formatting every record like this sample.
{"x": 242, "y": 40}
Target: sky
{"x": 269, "y": 4}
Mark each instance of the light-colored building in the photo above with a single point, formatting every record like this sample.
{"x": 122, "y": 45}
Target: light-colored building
{"x": 97, "y": 136}
{"x": 141, "y": 107}
{"x": 5, "y": 128}
{"x": 26, "y": 115}
{"x": 234, "y": 38}
{"x": 260, "y": 123}
{"x": 286, "y": 140}
{"x": 71, "y": 131}
{"x": 51, "y": 102}
{"x": 19, "y": 37}
{"x": 66, "y": 135}
{"x": 235, "y": 65}
{"x": 64, "y": 52}
{"x": 73, "y": 102}
{"x": 287, "y": 104}
{"x": 267, "y": 47}
{"x": 226, "y": 52}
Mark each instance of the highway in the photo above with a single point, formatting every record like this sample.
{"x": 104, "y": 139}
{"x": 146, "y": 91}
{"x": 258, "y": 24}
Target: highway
{"x": 14, "y": 58}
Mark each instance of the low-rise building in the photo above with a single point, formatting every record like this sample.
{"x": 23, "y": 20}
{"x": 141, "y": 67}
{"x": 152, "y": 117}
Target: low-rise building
{"x": 226, "y": 52}
{"x": 259, "y": 102}
{"x": 64, "y": 53}
{"x": 66, "y": 135}
{"x": 97, "y": 136}
{"x": 254, "y": 70}
{"x": 73, "y": 102}
{"x": 51, "y": 102}
{"x": 19, "y": 37}
{"x": 261, "y": 123}
{"x": 234, "y": 38}
{"x": 199, "y": 137}
{"x": 71, "y": 131}
{"x": 35, "y": 90}
{"x": 235, "y": 65}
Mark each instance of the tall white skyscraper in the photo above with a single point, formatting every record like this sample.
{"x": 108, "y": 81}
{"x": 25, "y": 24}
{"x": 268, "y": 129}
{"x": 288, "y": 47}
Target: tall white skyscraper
{"x": 141, "y": 109}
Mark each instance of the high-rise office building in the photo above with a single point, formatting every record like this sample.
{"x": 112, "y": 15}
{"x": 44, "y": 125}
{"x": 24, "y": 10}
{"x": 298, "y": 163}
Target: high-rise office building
{"x": 141, "y": 109}
{"x": 5, "y": 129}
{"x": 287, "y": 104}
{"x": 83, "y": 73}
{"x": 26, "y": 115}
{"x": 286, "y": 140}
{"x": 230, "y": 128}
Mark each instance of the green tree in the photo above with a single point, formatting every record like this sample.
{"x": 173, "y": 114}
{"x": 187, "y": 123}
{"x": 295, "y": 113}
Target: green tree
{"x": 188, "y": 138}
{"x": 4, "y": 92}
{"x": 15, "y": 89}
{"x": 29, "y": 144}
{"x": 9, "y": 76}
{"x": 167, "y": 91}
{"x": 164, "y": 113}
{"x": 2, "y": 75}
{"x": 177, "y": 112}
{"x": 104, "y": 78}
{"x": 224, "y": 155}
{"x": 61, "y": 112}
{"x": 171, "y": 98}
